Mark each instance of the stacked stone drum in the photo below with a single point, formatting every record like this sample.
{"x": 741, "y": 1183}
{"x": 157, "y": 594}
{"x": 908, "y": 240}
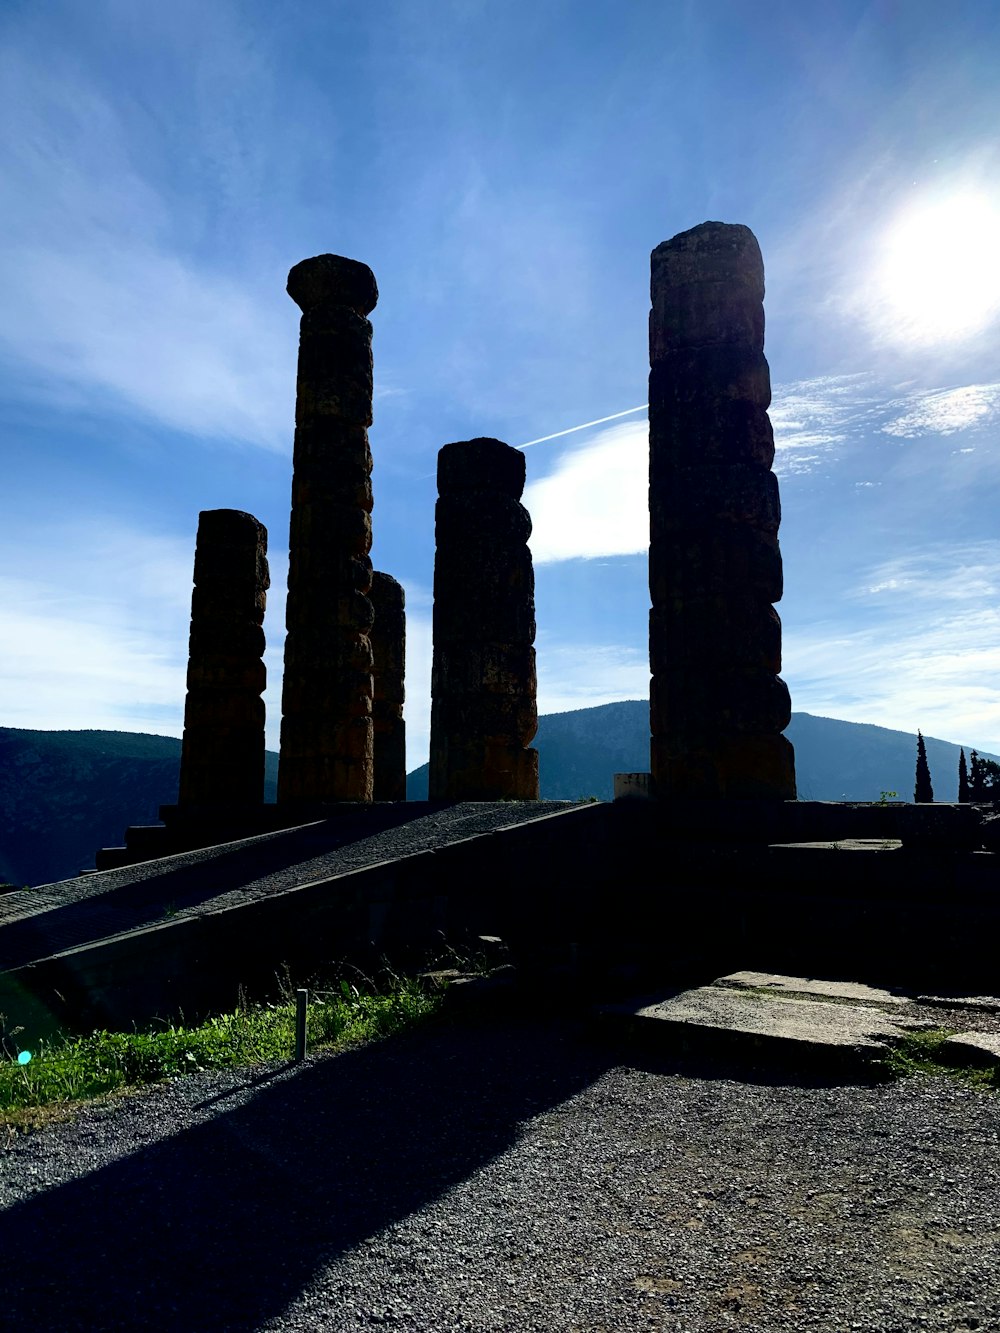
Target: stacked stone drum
{"x": 222, "y": 756}
{"x": 717, "y": 703}
{"x": 326, "y": 726}
{"x": 483, "y": 690}
{"x": 388, "y": 639}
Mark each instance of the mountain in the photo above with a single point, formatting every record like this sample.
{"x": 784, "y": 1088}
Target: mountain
{"x": 63, "y": 794}
{"x": 834, "y": 761}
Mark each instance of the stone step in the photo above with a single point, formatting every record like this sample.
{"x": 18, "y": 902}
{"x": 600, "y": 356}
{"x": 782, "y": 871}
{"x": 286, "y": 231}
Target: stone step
{"x": 809, "y": 1023}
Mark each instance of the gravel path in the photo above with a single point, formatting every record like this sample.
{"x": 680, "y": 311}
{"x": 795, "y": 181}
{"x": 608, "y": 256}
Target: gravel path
{"x": 508, "y": 1177}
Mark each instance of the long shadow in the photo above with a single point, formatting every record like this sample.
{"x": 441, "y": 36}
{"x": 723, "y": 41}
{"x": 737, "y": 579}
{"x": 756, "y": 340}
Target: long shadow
{"x": 142, "y": 902}
{"x": 220, "y": 1226}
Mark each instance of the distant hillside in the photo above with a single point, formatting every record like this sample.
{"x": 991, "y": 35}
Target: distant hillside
{"x": 63, "y": 794}
{"x": 579, "y": 753}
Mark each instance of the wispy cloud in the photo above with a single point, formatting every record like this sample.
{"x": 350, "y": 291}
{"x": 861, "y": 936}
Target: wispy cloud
{"x": 921, "y": 650}
{"x": 583, "y": 675}
{"x": 815, "y": 420}
{"x": 967, "y": 573}
{"x": 417, "y": 709}
{"x": 102, "y": 296}
{"x": 947, "y": 411}
{"x": 67, "y": 667}
{"x": 108, "y": 648}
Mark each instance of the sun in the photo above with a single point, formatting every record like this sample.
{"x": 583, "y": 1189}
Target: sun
{"x": 937, "y": 277}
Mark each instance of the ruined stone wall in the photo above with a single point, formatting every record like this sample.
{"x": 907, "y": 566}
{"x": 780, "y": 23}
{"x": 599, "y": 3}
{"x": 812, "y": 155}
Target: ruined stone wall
{"x": 326, "y": 727}
{"x": 388, "y": 640}
{"x": 717, "y": 704}
{"x": 222, "y": 756}
{"x": 483, "y": 705}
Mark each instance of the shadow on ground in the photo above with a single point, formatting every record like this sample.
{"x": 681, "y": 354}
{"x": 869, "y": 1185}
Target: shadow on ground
{"x": 221, "y": 1226}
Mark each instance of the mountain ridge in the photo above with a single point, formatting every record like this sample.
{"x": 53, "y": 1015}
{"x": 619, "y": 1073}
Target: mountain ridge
{"x": 63, "y": 794}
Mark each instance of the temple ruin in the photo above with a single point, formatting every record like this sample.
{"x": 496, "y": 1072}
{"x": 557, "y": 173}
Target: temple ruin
{"x": 717, "y": 703}
{"x": 388, "y": 640}
{"x": 483, "y": 706}
{"x": 326, "y": 725}
{"x": 222, "y": 756}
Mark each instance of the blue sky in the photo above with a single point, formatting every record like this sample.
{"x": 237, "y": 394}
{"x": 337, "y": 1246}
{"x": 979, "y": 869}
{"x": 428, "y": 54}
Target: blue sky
{"x": 505, "y": 169}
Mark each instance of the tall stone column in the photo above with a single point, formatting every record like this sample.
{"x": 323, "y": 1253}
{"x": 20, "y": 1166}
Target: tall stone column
{"x": 483, "y": 707}
{"x": 717, "y": 703}
{"x": 222, "y": 756}
{"x": 388, "y": 639}
{"x": 326, "y": 725}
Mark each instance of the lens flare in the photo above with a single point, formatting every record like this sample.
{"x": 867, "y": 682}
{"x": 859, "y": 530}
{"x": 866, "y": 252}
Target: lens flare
{"x": 938, "y": 275}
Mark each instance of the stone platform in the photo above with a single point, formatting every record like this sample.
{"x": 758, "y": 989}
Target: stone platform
{"x": 807, "y": 1022}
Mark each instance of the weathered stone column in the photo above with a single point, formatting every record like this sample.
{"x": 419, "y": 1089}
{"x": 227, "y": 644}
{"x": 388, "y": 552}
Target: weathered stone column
{"x": 326, "y": 725}
{"x": 388, "y": 639}
{"x": 222, "y": 756}
{"x": 483, "y": 709}
{"x": 717, "y": 704}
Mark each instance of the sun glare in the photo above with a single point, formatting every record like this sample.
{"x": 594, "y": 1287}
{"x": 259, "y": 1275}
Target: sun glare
{"x": 938, "y": 275}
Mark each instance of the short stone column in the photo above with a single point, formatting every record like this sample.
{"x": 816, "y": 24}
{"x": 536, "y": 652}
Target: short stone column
{"x": 483, "y": 688}
{"x": 388, "y": 639}
{"x": 326, "y": 725}
{"x": 717, "y": 703}
{"x": 222, "y": 756}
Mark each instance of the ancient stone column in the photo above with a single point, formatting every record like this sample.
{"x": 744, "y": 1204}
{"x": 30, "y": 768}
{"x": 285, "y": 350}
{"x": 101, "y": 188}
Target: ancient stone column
{"x": 326, "y": 725}
{"x": 717, "y": 703}
{"x": 388, "y": 640}
{"x": 483, "y": 709}
{"x": 222, "y": 757}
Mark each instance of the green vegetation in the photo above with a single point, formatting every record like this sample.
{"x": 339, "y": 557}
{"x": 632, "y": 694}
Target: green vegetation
{"x": 984, "y": 778}
{"x": 923, "y": 792}
{"x": 918, "y": 1052}
{"x": 72, "y": 1069}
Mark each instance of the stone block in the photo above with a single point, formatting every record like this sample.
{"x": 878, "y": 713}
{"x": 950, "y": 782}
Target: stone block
{"x": 721, "y": 563}
{"x": 483, "y": 465}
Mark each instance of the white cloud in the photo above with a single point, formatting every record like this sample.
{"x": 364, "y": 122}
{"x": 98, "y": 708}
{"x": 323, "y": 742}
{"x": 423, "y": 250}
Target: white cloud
{"x": 595, "y": 502}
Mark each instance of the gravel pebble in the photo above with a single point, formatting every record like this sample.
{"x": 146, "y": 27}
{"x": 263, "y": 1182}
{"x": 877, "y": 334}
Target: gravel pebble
{"x": 508, "y": 1177}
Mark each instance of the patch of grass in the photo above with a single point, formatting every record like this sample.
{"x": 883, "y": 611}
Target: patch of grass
{"x": 73, "y": 1069}
{"x": 917, "y": 1054}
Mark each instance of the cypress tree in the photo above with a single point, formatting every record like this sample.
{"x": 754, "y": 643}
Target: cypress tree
{"x": 963, "y": 778}
{"x": 923, "y": 791}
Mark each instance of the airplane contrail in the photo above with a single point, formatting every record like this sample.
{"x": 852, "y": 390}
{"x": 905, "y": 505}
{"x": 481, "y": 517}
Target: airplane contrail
{"x": 583, "y": 426}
